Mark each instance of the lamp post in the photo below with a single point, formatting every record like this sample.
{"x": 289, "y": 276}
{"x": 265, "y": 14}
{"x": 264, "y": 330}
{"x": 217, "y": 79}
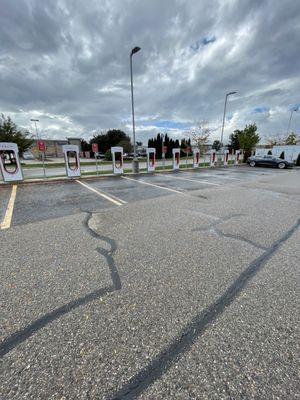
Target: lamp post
{"x": 37, "y": 137}
{"x": 135, "y": 162}
{"x": 225, "y": 105}
{"x": 36, "y": 131}
{"x": 290, "y": 120}
{"x": 162, "y": 150}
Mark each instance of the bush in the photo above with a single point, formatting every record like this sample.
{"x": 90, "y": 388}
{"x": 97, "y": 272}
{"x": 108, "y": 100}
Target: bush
{"x": 108, "y": 156}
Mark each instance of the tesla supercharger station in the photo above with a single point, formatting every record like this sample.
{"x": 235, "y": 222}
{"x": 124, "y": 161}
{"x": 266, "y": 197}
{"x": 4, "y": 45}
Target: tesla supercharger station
{"x": 213, "y": 160}
{"x": 151, "y": 151}
{"x": 226, "y": 154}
{"x": 237, "y": 157}
{"x": 71, "y": 150}
{"x": 196, "y": 158}
{"x": 10, "y": 175}
{"x": 117, "y": 158}
{"x": 176, "y": 158}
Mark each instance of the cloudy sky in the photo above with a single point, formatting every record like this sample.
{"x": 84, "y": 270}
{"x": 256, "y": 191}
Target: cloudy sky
{"x": 66, "y": 62}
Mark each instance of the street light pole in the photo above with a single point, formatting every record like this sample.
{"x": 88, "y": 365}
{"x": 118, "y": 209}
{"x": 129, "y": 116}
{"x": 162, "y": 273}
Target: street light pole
{"x": 225, "y": 105}
{"x": 37, "y": 137}
{"x": 36, "y": 131}
{"x": 135, "y": 163}
{"x": 162, "y": 150}
{"x": 290, "y": 120}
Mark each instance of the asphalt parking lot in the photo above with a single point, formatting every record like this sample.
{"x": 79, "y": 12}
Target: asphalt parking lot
{"x": 167, "y": 286}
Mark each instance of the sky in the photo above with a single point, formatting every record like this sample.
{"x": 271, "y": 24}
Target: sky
{"x": 66, "y": 63}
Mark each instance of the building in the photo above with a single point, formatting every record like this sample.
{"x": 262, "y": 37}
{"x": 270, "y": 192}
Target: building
{"x": 53, "y": 148}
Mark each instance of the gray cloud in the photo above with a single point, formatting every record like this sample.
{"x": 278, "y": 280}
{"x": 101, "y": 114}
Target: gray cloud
{"x": 67, "y": 63}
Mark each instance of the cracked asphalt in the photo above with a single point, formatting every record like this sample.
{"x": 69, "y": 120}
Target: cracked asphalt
{"x": 188, "y": 289}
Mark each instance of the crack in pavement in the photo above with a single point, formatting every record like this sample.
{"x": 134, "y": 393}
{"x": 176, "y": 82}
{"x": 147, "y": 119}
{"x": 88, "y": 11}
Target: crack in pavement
{"x": 13, "y": 340}
{"x": 213, "y": 228}
{"x": 166, "y": 358}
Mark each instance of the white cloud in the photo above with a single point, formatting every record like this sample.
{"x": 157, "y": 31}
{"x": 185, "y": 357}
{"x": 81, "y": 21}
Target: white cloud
{"x": 68, "y": 65}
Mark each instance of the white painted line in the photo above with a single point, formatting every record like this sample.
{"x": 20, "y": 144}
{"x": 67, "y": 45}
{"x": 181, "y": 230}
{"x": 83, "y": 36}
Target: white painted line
{"x": 115, "y": 200}
{"x": 192, "y": 180}
{"x": 10, "y": 209}
{"x": 152, "y": 184}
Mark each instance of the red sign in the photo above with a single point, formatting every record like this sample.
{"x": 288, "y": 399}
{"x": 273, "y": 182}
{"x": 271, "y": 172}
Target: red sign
{"x": 95, "y": 147}
{"x": 165, "y": 149}
{"x": 42, "y": 146}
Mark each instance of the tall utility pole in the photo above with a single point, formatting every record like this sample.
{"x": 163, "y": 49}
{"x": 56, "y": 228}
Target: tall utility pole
{"x": 225, "y": 105}
{"x": 36, "y": 131}
{"x": 290, "y": 120}
{"x": 135, "y": 162}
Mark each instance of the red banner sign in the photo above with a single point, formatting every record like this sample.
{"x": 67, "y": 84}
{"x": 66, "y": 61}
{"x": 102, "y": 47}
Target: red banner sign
{"x": 95, "y": 147}
{"x": 42, "y": 146}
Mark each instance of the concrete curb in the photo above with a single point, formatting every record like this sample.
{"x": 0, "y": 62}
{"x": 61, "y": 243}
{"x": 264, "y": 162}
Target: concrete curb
{"x": 65, "y": 179}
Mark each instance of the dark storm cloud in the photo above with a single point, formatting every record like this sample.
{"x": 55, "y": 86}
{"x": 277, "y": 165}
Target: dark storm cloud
{"x": 67, "y": 62}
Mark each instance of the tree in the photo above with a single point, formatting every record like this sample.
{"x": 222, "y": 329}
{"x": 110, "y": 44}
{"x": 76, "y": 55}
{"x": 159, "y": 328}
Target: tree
{"x": 9, "y": 132}
{"x": 113, "y": 137}
{"x": 248, "y": 139}
{"x": 234, "y": 141}
{"x": 199, "y": 136}
{"x": 291, "y": 139}
{"x": 85, "y": 146}
{"x": 217, "y": 145}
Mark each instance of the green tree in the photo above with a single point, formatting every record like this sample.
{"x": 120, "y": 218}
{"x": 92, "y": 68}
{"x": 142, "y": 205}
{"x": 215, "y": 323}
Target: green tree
{"x": 9, "y": 132}
{"x": 291, "y": 139}
{"x": 248, "y": 139}
{"x": 85, "y": 146}
{"x": 216, "y": 145}
{"x": 113, "y": 137}
{"x": 233, "y": 143}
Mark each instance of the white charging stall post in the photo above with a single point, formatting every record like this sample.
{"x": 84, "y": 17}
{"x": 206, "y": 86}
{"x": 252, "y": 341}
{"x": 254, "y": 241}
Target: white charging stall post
{"x": 176, "y": 158}
{"x": 151, "y": 152}
{"x": 196, "y": 158}
{"x": 16, "y": 173}
{"x": 226, "y": 155}
{"x": 237, "y": 157}
{"x": 71, "y": 150}
{"x": 117, "y": 158}
{"x": 213, "y": 160}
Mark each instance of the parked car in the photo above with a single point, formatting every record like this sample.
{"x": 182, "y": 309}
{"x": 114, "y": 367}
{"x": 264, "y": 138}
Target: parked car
{"x": 100, "y": 156}
{"x": 27, "y": 155}
{"x": 268, "y": 161}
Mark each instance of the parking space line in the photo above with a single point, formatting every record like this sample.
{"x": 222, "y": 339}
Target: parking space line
{"x": 192, "y": 180}
{"x": 152, "y": 184}
{"x": 114, "y": 199}
{"x": 10, "y": 209}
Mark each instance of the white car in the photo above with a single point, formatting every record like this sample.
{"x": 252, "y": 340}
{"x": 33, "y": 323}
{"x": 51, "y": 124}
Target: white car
{"x": 27, "y": 155}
